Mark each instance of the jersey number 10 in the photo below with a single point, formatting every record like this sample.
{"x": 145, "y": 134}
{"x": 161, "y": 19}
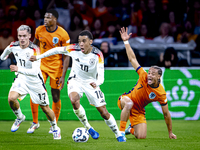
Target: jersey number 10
{"x": 84, "y": 67}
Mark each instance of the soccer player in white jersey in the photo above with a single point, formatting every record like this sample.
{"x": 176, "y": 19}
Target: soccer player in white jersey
{"x": 28, "y": 79}
{"x": 87, "y": 74}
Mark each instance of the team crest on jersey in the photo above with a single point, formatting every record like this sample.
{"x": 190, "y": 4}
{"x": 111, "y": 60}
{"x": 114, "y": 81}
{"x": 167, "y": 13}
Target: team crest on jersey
{"x": 92, "y": 60}
{"x": 152, "y": 95}
{"x": 55, "y": 40}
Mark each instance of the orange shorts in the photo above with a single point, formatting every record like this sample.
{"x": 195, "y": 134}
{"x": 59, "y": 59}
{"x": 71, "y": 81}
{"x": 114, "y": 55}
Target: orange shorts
{"x": 135, "y": 117}
{"x": 54, "y": 77}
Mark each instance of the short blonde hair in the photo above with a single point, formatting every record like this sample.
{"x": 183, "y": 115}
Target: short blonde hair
{"x": 24, "y": 27}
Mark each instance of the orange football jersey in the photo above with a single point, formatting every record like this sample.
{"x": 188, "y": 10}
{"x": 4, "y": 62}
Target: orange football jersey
{"x": 142, "y": 94}
{"x": 49, "y": 40}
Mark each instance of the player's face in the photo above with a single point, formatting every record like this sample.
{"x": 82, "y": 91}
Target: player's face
{"x": 85, "y": 44}
{"x": 23, "y": 37}
{"x": 49, "y": 20}
{"x": 152, "y": 77}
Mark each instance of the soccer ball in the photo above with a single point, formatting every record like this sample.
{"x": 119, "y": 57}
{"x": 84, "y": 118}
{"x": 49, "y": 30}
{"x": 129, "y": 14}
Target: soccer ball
{"x": 80, "y": 135}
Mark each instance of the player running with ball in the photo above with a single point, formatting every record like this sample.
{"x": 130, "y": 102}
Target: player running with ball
{"x": 87, "y": 74}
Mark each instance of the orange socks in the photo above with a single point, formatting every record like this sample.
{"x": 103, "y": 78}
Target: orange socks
{"x": 56, "y": 107}
{"x": 122, "y": 126}
{"x": 132, "y": 131}
{"x": 34, "y": 108}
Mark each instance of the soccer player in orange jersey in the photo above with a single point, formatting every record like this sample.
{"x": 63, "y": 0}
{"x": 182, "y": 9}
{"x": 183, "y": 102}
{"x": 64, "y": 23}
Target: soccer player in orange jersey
{"x": 147, "y": 90}
{"x": 48, "y": 36}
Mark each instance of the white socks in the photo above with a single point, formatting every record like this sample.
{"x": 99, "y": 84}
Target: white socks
{"x": 113, "y": 125}
{"x": 18, "y": 113}
{"x": 54, "y": 124}
{"x": 80, "y": 113}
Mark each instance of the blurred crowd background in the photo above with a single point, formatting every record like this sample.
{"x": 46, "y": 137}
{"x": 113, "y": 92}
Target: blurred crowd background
{"x": 162, "y": 21}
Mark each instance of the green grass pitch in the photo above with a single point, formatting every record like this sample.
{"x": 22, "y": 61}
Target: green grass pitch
{"x": 188, "y": 137}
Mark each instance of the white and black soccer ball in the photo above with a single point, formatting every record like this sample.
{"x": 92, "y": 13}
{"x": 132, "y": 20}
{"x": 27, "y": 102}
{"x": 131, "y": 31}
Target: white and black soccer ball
{"x": 80, "y": 135}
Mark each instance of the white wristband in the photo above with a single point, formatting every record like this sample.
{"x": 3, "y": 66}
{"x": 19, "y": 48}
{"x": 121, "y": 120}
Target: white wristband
{"x": 126, "y": 42}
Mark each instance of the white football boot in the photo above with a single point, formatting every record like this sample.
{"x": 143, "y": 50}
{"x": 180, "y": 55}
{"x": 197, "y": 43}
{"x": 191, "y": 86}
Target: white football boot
{"x": 33, "y": 127}
{"x": 57, "y": 134}
{"x": 51, "y": 130}
{"x": 16, "y": 124}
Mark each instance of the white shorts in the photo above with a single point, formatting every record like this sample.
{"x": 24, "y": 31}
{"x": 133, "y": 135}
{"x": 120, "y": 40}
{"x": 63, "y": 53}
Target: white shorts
{"x": 94, "y": 96}
{"x": 37, "y": 91}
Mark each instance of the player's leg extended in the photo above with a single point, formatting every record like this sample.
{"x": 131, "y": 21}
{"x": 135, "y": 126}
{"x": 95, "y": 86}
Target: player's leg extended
{"x": 78, "y": 109}
{"x": 125, "y": 104}
{"x": 52, "y": 119}
{"x": 55, "y": 92}
{"x": 75, "y": 93}
{"x": 111, "y": 122}
{"x": 35, "y": 124}
{"x": 34, "y": 107}
{"x": 56, "y": 106}
{"x": 14, "y": 105}
{"x": 34, "y": 110}
{"x": 48, "y": 112}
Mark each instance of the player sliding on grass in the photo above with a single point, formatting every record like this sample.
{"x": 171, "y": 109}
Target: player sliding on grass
{"x": 28, "y": 79}
{"x": 87, "y": 74}
{"x": 147, "y": 90}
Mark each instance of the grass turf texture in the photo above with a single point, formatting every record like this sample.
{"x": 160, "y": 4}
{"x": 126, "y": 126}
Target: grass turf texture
{"x": 188, "y": 137}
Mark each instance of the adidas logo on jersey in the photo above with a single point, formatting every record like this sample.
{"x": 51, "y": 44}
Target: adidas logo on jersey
{"x": 102, "y": 101}
{"x": 77, "y": 59}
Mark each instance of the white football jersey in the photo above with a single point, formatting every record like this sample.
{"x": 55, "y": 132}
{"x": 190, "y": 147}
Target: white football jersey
{"x": 85, "y": 67}
{"x": 27, "y": 70}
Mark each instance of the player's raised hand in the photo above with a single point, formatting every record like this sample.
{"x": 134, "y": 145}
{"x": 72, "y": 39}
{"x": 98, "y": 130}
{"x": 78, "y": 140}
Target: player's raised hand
{"x": 33, "y": 58}
{"x": 124, "y": 34}
{"x": 172, "y": 136}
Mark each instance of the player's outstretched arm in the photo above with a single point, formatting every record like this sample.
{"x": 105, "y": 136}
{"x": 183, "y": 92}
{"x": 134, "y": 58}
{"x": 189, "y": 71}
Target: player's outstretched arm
{"x": 5, "y": 53}
{"x": 168, "y": 121}
{"x": 129, "y": 51}
{"x": 53, "y": 51}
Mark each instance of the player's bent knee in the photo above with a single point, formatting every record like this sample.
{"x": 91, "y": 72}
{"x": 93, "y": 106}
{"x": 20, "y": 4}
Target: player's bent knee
{"x": 127, "y": 102}
{"x": 74, "y": 97}
{"x": 12, "y": 99}
{"x": 55, "y": 94}
{"x": 141, "y": 137}
{"x": 128, "y": 105}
